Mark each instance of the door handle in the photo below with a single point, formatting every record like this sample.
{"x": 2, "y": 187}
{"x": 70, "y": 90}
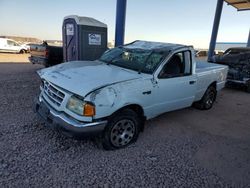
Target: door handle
{"x": 192, "y": 82}
{"x": 146, "y": 92}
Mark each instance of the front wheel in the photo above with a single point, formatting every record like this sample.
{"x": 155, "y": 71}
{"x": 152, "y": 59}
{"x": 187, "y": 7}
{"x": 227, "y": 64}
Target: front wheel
{"x": 248, "y": 86}
{"x": 122, "y": 130}
{"x": 207, "y": 100}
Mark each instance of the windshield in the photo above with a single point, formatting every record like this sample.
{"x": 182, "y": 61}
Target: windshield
{"x": 145, "y": 61}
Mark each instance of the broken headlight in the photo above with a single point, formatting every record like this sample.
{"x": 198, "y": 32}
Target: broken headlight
{"x": 80, "y": 107}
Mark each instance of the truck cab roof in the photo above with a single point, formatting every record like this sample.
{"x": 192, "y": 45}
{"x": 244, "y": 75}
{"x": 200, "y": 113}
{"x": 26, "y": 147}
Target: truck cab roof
{"x": 148, "y": 45}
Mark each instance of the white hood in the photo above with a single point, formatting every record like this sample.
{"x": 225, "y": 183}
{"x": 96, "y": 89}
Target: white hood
{"x": 82, "y": 77}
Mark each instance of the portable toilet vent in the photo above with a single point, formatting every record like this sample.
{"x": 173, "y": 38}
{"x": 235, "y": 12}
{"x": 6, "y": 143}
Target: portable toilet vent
{"x": 84, "y": 38}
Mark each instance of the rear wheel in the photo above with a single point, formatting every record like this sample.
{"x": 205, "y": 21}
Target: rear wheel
{"x": 207, "y": 100}
{"x": 22, "y": 51}
{"x": 122, "y": 130}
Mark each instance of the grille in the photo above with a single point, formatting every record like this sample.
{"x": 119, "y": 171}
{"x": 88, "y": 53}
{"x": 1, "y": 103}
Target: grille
{"x": 53, "y": 93}
{"x": 234, "y": 74}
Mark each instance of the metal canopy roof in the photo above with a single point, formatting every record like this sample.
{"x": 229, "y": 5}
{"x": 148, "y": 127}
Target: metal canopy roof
{"x": 239, "y": 4}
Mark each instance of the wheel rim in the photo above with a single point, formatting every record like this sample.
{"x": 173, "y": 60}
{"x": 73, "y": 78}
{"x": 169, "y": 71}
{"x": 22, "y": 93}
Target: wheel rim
{"x": 210, "y": 99}
{"x": 122, "y": 133}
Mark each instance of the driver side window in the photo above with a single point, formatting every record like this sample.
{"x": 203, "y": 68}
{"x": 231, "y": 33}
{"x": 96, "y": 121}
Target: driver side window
{"x": 10, "y": 43}
{"x": 178, "y": 65}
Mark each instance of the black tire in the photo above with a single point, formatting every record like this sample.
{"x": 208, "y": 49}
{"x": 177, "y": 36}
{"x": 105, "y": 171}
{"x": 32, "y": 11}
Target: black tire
{"x": 22, "y": 51}
{"x": 207, "y": 100}
{"x": 122, "y": 130}
{"x": 248, "y": 87}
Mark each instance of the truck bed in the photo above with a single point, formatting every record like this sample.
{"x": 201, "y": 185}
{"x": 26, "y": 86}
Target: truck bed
{"x": 208, "y": 73}
{"x": 204, "y": 66}
{"x": 46, "y": 54}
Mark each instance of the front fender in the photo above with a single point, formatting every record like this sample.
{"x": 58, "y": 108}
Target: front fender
{"x": 111, "y": 98}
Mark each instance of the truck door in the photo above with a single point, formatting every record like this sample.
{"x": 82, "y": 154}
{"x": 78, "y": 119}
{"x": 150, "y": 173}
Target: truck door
{"x": 176, "y": 84}
{"x": 12, "y": 46}
{"x": 70, "y": 40}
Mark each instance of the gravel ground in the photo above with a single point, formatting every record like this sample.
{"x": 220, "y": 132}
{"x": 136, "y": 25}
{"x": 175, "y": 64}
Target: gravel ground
{"x": 185, "y": 148}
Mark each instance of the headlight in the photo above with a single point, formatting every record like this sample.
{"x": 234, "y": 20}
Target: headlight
{"x": 80, "y": 107}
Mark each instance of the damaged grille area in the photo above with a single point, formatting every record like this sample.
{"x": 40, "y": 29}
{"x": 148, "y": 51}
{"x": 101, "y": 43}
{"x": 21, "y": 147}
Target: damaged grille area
{"x": 53, "y": 93}
{"x": 238, "y": 71}
{"x": 238, "y": 60}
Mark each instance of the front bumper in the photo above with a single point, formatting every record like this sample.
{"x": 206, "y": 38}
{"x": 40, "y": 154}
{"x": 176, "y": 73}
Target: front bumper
{"x": 65, "y": 124}
{"x": 238, "y": 77}
{"x": 244, "y": 82}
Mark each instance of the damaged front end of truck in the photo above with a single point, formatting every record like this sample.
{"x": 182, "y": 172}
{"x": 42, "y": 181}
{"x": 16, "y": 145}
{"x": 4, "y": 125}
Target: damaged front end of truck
{"x": 239, "y": 67}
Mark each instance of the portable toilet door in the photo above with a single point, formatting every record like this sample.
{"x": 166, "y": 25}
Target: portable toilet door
{"x": 70, "y": 40}
{"x": 84, "y": 38}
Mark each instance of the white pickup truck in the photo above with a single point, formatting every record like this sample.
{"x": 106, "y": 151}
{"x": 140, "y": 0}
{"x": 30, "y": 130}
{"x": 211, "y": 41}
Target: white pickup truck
{"x": 113, "y": 96}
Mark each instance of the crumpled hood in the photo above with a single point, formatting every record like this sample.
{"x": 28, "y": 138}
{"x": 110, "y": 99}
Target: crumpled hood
{"x": 82, "y": 77}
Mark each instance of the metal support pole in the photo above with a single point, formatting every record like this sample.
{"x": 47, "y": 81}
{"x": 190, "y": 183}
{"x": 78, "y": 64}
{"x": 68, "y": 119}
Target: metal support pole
{"x": 120, "y": 22}
{"x": 248, "y": 42}
{"x": 215, "y": 29}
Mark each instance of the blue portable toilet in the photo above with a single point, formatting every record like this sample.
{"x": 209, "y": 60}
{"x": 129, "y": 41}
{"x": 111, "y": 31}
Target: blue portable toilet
{"x": 84, "y": 38}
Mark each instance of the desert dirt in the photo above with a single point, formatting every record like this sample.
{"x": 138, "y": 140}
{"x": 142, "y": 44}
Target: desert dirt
{"x": 14, "y": 58}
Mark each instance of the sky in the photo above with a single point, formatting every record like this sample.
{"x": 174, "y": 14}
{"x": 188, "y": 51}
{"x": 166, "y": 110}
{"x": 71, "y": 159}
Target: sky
{"x": 177, "y": 21}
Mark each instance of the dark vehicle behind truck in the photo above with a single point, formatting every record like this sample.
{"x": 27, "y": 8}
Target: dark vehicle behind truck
{"x": 45, "y": 54}
{"x": 238, "y": 60}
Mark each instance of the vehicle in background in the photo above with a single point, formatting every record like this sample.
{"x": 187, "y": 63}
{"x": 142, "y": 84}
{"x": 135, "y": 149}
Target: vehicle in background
{"x": 28, "y": 46}
{"x": 238, "y": 60}
{"x": 11, "y": 46}
{"x": 204, "y": 53}
{"x": 45, "y": 54}
{"x": 201, "y": 53}
{"x": 219, "y": 52}
{"x": 114, "y": 95}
